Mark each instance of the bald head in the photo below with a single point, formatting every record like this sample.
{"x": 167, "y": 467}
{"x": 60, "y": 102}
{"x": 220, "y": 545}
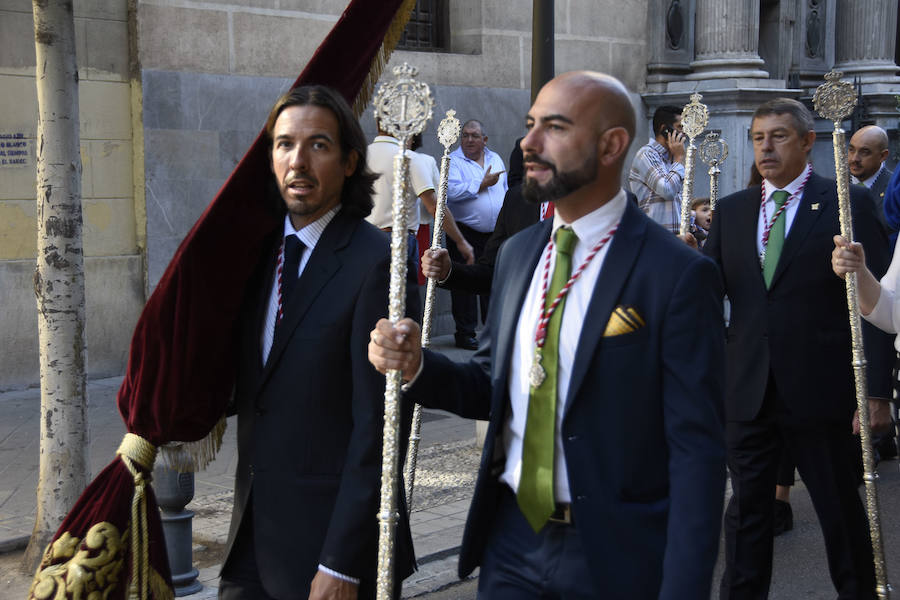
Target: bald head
{"x": 603, "y": 95}
{"x": 580, "y": 128}
{"x": 868, "y": 149}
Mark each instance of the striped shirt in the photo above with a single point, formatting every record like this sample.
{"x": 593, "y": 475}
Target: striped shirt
{"x": 656, "y": 180}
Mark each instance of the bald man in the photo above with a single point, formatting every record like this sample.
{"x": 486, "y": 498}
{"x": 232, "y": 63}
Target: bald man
{"x": 604, "y": 463}
{"x": 866, "y": 155}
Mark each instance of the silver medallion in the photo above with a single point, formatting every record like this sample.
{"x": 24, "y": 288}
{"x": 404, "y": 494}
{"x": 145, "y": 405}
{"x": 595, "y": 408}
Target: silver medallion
{"x": 537, "y": 375}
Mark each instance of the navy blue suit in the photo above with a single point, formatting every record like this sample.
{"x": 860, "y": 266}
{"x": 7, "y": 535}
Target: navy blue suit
{"x": 642, "y": 428}
{"x": 310, "y": 420}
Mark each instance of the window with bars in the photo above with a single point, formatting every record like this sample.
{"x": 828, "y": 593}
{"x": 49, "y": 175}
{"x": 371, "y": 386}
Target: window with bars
{"x": 428, "y": 27}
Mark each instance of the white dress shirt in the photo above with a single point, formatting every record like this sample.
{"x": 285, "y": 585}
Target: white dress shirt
{"x": 470, "y": 207}
{"x": 380, "y": 159}
{"x": 590, "y": 229}
{"x": 789, "y": 213}
{"x": 886, "y": 314}
{"x": 309, "y": 236}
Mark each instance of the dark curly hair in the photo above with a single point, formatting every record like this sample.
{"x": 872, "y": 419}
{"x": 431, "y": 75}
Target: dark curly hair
{"x": 356, "y": 197}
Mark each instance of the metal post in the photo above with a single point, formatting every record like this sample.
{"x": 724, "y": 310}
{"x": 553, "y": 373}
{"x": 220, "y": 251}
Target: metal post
{"x": 542, "y": 59}
{"x": 173, "y": 492}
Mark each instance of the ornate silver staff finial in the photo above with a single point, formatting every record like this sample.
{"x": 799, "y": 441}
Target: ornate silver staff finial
{"x": 835, "y": 99}
{"x": 448, "y": 130}
{"x": 448, "y": 133}
{"x": 402, "y": 108}
{"x": 713, "y": 151}
{"x": 694, "y": 118}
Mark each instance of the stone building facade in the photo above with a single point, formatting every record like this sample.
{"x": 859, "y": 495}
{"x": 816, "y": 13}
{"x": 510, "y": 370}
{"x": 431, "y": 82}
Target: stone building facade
{"x": 172, "y": 93}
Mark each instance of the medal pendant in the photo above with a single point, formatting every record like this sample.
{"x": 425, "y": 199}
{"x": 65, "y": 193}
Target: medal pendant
{"x": 537, "y": 374}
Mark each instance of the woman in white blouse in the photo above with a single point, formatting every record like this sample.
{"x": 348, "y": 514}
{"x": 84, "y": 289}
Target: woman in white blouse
{"x": 879, "y": 303}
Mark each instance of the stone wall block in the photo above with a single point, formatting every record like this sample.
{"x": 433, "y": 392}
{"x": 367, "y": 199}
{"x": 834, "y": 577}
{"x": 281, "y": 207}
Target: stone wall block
{"x": 514, "y": 15}
{"x": 19, "y": 350}
{"x": 624, "y": 19}
{"x": 18, "y": 233}
{"x": 114, "y": 291}
{"x": 16, "y": 41}
{"x": 109, "y": 227}
{"x": 179, "y": 154}
{"x": 109, "y": 10}
{"x": 290, "y": 43}
{"x": 105, "y": 110}
{"x": 628, "y": 63}
{"x": 184, "y": 39}
{"x": 106, "y": 52}
{"x": 110, "y": 167}
{"x": 572, "y": 55}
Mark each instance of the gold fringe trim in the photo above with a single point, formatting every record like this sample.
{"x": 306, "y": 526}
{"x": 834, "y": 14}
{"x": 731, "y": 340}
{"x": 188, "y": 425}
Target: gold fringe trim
{"x": 383, "y": 55}
{"x": 159, "y": 589}
{"x": 190, "y": 457}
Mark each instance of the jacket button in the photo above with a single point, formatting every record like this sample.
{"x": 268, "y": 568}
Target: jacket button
{"x": 573, "y": 438}
{"x": 251, "y": 470}
{"x": 580, "y": 498}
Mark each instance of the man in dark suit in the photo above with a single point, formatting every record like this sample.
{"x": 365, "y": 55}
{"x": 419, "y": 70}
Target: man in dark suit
{"x": 516, "y": 215}
{"x": 603, "y": 467}
{"x": 866, "y": 155}
{"x": 309, "y": 405}
{"x": 788, "y": 364}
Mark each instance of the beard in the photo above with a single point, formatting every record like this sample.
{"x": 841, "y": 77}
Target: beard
{"x": 562, "y": 183}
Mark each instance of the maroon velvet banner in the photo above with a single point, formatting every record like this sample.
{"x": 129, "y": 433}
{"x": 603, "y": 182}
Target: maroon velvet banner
{"x": 181, "y": 365}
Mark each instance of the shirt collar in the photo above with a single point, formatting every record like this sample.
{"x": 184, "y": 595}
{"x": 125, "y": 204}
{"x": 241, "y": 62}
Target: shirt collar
{"x": 311, "y": 233}
{"x": 591, "y": 228}
{"x": 660, "y": 149}
{"x": 871, "y": 180}
{"x": 791, "y": 188}
{"x": 386, "y": 138}
{"x": 458, "y": 153}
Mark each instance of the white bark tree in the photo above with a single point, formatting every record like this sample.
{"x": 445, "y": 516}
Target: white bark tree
{"x": 59, "y": 277}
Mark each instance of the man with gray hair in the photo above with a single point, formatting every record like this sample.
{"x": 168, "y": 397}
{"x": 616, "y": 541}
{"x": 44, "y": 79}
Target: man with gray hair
{"x": 475, "y": 191}
{"x": 789, "y": 382}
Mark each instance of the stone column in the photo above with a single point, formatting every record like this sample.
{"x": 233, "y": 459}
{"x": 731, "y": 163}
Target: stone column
{"x": 726, "y": 40}
{"x": 865, "y": 40}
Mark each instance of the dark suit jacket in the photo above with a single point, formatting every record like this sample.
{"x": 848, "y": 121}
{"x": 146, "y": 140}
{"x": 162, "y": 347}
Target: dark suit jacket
{"x": 642, "y": 431}
{"x": 877, "y": 190}
{"x": 799, "y": 329}
{"x": 310, "y": 421}
{"x": 515, "y": 215}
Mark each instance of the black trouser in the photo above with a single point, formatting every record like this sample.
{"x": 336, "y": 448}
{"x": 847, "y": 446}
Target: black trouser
{"x": 464, "y": 305}
{"x": 829, "y": 460}
{"x": 240, "y": 576}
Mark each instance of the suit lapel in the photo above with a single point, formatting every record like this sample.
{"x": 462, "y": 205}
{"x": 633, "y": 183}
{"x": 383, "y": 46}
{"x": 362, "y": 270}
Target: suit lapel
{"x": 620, "y": 258}
{"x": 744, "y": 227}
{"x": 323, "y": 263}
{"x": 815, "y": 194}
{"x": 518, "y": 280}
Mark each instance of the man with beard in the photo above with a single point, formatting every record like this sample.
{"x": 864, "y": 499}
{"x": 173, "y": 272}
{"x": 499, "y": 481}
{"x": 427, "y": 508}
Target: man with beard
{"x": 604, "y": 463}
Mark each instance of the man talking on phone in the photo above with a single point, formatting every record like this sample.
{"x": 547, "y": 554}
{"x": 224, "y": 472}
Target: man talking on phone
{"x": 475, "y": 189}
{"x": 657, "y": 171}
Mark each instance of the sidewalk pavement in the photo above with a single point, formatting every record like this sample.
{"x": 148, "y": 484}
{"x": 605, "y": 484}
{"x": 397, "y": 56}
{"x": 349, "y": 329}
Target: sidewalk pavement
{"x": 445, "y": 477}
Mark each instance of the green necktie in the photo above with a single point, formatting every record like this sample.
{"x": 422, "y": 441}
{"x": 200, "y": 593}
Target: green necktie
{"x": 535, "y": 494}
{"x": 776, "y": 239}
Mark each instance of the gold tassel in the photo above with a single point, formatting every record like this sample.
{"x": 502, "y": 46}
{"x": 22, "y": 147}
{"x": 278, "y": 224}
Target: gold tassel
{"x": 136, "y": 450}
{"x": 383, "y": 55}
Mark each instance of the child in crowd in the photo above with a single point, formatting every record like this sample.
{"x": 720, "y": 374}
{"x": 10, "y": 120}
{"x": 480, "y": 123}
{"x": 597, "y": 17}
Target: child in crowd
{"x": 702, "y": 212}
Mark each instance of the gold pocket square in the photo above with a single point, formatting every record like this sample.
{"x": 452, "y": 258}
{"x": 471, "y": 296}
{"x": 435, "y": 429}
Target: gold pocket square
{"x": 624, "y": 319}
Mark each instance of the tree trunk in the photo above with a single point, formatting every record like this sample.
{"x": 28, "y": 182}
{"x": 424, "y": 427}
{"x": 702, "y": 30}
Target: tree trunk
{"x": 59, "y": 277}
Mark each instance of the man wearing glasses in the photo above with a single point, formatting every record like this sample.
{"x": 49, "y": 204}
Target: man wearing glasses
{"x": 475, "y": 191}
